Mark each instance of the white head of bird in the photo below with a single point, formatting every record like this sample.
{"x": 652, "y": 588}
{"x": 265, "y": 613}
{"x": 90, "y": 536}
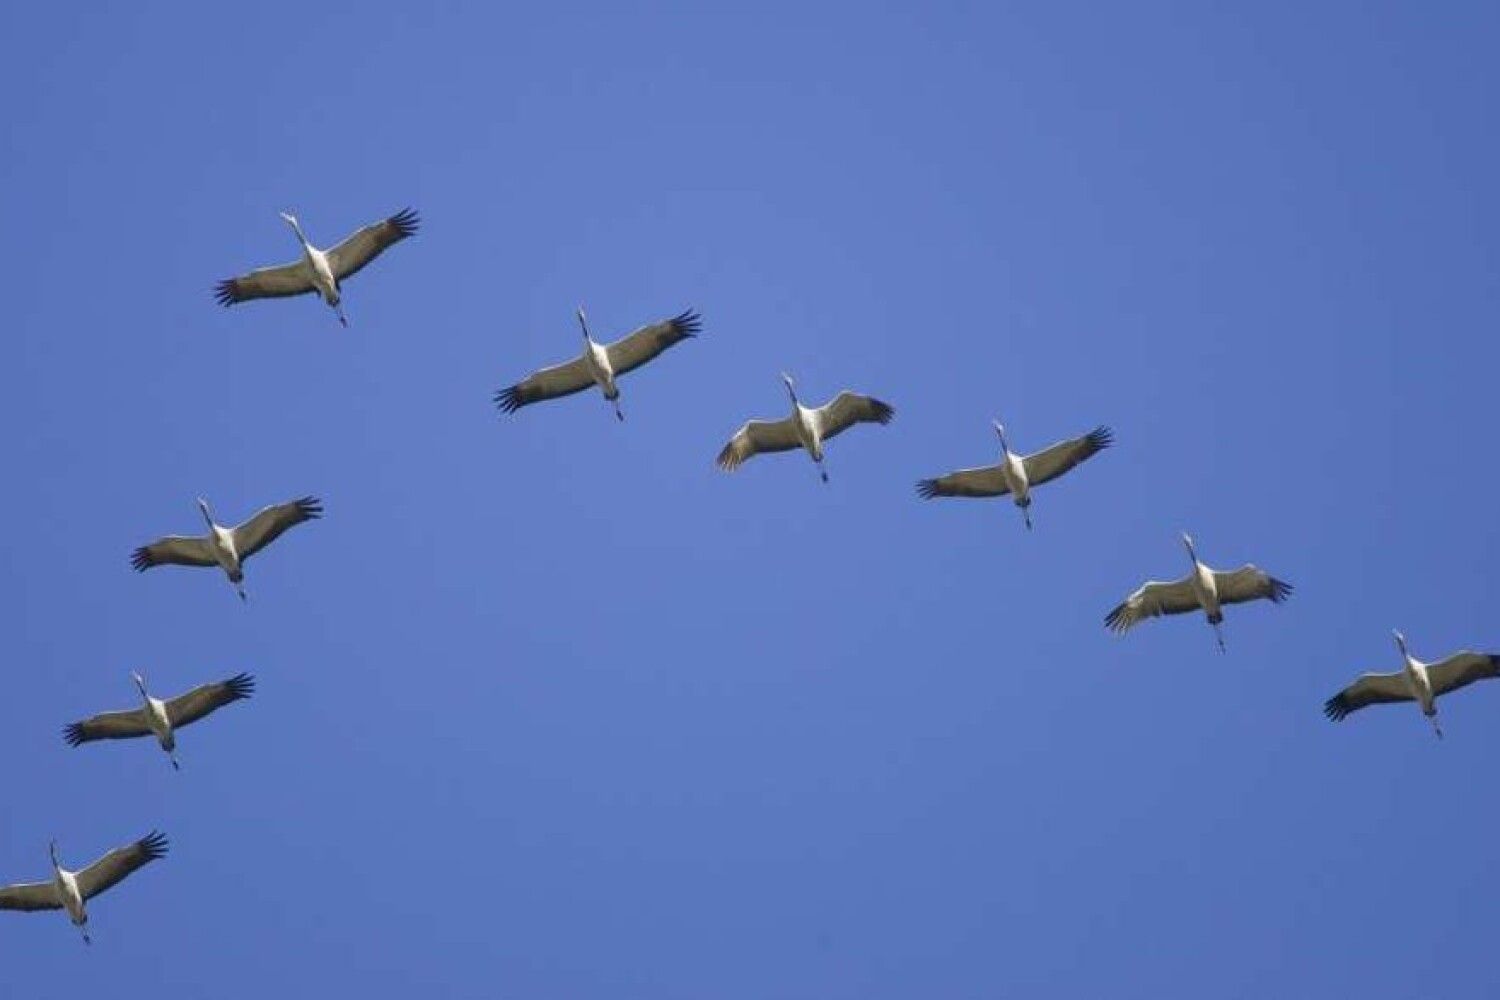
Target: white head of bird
{"x": 1187, "y": 540}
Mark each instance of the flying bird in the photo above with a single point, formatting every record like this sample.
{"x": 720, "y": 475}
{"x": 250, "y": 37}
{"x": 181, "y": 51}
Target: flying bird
{"x": 227, "y": 548}
{"x": 600, "y": 364}
{"x": 321, "y": 271}
{"x": 1204, "y": 588}
{"x": 807, "y": 427}
{"x": 1017, "y": 474}
{"x": 1419, "y": 682}
{"x": 160, "y": 718}
{"x": 72, "y": 890}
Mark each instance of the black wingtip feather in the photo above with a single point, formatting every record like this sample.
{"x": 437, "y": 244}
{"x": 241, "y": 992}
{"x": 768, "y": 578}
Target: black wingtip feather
{"x": 1336, "y": 708}
{"x": 310, "y": 507}
{"x": 509, "y": 400}
{"x": 1115, "y": 620}
{"x": 73, "y": 734}
{"x": 1101, "y": 437}
{"x": 154, "y": 844}
{"x": 927, "y": 488}
{"x": 241, "y": 685}
{"x": 224, "y": 293}
{"x": 884, "y": 412}
{"x": 406, "y": 221}
{"x": 141, "y": 560}
{"x": 1280, "y": 590}
{"x": 688, "y": 323}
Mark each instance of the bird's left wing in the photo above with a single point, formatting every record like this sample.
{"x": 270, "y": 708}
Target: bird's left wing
{"x": 988, "y": 481}
{"x": 30, "y": 896}
{"x": 1249, "y": 583}
{"x": 179, "y": 550}
{"x": 848, "y": 409}
{"x": 188, "y": 708}
{"x": 635, "y": 349}
{"x": 1054, "y": 461}
{"x": 1370, "y": 689}
{"x": 267, "y": 283}
{"x": 268, "y": 524}
{"x": 1461, "y": 670}
{"x": 549, "y": 383}
{"x": 113, "y": 868}
{"x": 757, "y": 437}
{"x": 108, "y": 726}
{"x": 1152, "y": 599}
{"x": 350, "y": 256}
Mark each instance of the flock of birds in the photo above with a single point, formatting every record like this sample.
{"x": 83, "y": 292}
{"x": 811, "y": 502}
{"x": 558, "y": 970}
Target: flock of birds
{"x": 601, "y": 365}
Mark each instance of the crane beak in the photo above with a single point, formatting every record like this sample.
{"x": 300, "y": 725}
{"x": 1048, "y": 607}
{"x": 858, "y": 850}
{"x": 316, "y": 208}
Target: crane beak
{"x": 288, "y": 218}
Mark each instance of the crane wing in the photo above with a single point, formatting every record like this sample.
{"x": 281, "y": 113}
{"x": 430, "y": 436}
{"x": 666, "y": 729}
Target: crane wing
{"x": 178, "y": 550}
{"x": 354, "y": 253}
{"x": 549, "y": 383}
{"x": 635, "y": 349}
{"x": 30, "y": 896}
{"x": 1461, "y": 670}
{"x": 1249, "y": 583}
{"x": 268, "y": 524}
{"x": 108, "y": 726}
{"x": 188, "y": 708}
{"x": 1054, "y": 461}
{"x": 1154, "y": 598}
{"x": 267, "y": 283}
{"x": 758, "y": 437}
{"x": 114, "y": 867}
{"x": 986, "y": 482}
{"x": 1370, "y": 689}
{"x": 848, "y": 409}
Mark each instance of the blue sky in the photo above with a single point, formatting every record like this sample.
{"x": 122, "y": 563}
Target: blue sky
{"x": 550, "y": 707}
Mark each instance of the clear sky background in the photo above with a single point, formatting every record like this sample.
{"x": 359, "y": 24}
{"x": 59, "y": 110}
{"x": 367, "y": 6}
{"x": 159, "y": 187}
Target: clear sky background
{"x": 550, "y": 707}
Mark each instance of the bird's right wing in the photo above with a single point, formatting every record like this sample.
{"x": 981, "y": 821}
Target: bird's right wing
{"x": 549, "y": 383}
{"x": 1154, "y": 598}
{"x": 269, "y": 522}
{"x": 108, "y": 726}
{"x": 1370, "y": 689}
{"x": 1054, "y": 461}
{"x": 179, "y": 550}
{"x": 267, "y": 283}
{"x": 114, "y": 867}
{"x": 635, "y": 349}
{"x": 1461, "y": 670}
{"x": 848, "y": 409}
{"x": 30, "y": 896}
{"x": 756, "y": 437}
{"x": 188, "y": 708}
{"x": 986, "y": 482}
{"x": 363, "y": 246}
